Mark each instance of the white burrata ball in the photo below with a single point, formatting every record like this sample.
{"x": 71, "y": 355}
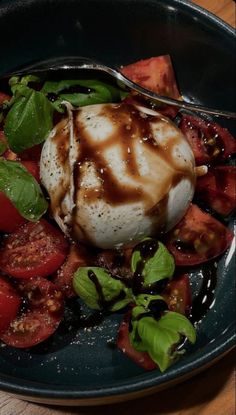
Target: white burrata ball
{"x": 116, "y": 173}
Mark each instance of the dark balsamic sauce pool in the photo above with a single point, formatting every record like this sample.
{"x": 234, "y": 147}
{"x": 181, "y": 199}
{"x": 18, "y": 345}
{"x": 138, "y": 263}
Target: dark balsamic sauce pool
{"x": 204, "y": 300}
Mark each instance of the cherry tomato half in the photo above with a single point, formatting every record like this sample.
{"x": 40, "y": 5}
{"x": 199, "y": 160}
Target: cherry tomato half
{"x": 44, "y": 314}
{"x": 197, "y": 238}
{"x": 34, "y": 249}
{"x": 10, "y": 302}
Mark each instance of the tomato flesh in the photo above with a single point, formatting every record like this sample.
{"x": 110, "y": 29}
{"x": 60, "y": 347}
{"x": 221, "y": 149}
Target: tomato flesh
{"x": 34, "y": 249}
{"x": 157, "y": 75}
{"x": 178, "y": 294}
{"x": 32, "y": 167}
{"x": 44, "y": 314}
{"x": 197, "y": 238}
{"x": 117, "y": 262}
{"x": 10, "y": 218}
{"x": 77, "y": 257}
{"x": 10, "y": 302}
{"x": 123, "y": 343}
{"x": 210, "y": 142}
{"x": 32, "y": 154}
{"x": 218, "y": 189}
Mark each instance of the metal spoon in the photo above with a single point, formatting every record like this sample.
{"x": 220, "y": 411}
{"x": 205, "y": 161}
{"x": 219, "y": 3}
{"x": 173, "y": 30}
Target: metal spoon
{"x": 78, "y": 63}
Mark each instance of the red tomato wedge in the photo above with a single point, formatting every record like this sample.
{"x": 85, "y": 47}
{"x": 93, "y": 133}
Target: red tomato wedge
{"x": 123, "y": 343}
{"x": 178, "y": 294}
{"x": 197, "y": 238}
{"x": 155, "y": 74}
{"x": 218, "y": 189}
{"x": 209, "y": 141}
{"x": 10, "y": 218}
{"x": 77, "y": 257}
{"x": 10, "y": 302}
{"x": 44, "y": 314}
{"x": 34, "y": 249}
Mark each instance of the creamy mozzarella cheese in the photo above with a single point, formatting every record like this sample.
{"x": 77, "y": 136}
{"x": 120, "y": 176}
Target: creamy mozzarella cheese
{"x": 116, "y": 173}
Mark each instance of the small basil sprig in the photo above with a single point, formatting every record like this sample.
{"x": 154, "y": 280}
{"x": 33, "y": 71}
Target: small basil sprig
{"x": 22, "y": 189}
{"x": 159, "y": 336}
{"x": 29, "y": 120}
{"x": 97, "y": 92}
{"x": 99, "y": 290}
{"x": 154, "y": 329}
{"x": 157, "y": 265}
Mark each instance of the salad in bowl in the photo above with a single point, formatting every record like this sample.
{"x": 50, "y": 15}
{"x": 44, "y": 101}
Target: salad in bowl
{"x": 111, "y": 199}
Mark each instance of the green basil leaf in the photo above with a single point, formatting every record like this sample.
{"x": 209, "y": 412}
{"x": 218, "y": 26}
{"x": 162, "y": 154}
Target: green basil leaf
{"x": 99, "y": 290}
{"x": 55, "y": 87}
{"x": 28, "y": 79}
{"x": 25, "y": 80}
{"x": 14, "y": 80}
{"x": 159, "y": 266}
{"x": 19, "y": 87}
{"x": 160, "y": 338}
{"x": 97, "y": 92}
{"x": 29, "y": 120}
{"x": 19, "y": 90}
{"x": 22, "y": 189}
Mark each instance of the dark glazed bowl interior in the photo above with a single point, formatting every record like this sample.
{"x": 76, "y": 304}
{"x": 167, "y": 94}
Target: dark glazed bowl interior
{"x": 80, "y": 366}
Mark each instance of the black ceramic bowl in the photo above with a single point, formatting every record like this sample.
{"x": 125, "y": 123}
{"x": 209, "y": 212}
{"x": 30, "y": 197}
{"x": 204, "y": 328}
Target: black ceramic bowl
{"x": 81, "y": 368}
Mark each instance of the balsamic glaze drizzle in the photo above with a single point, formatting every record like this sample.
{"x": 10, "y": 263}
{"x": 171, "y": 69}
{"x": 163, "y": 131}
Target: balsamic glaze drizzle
{"x": 102, "y": 302}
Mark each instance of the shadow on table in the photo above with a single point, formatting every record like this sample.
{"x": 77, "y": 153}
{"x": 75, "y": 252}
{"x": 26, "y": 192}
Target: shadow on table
{"x": 193, "y": 393}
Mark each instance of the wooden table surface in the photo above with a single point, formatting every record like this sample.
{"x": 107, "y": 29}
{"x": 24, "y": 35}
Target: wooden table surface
{"x": 210, "y": 393}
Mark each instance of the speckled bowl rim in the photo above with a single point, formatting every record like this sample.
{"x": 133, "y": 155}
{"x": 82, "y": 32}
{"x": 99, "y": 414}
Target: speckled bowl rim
{"x": 143, "y": 384}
